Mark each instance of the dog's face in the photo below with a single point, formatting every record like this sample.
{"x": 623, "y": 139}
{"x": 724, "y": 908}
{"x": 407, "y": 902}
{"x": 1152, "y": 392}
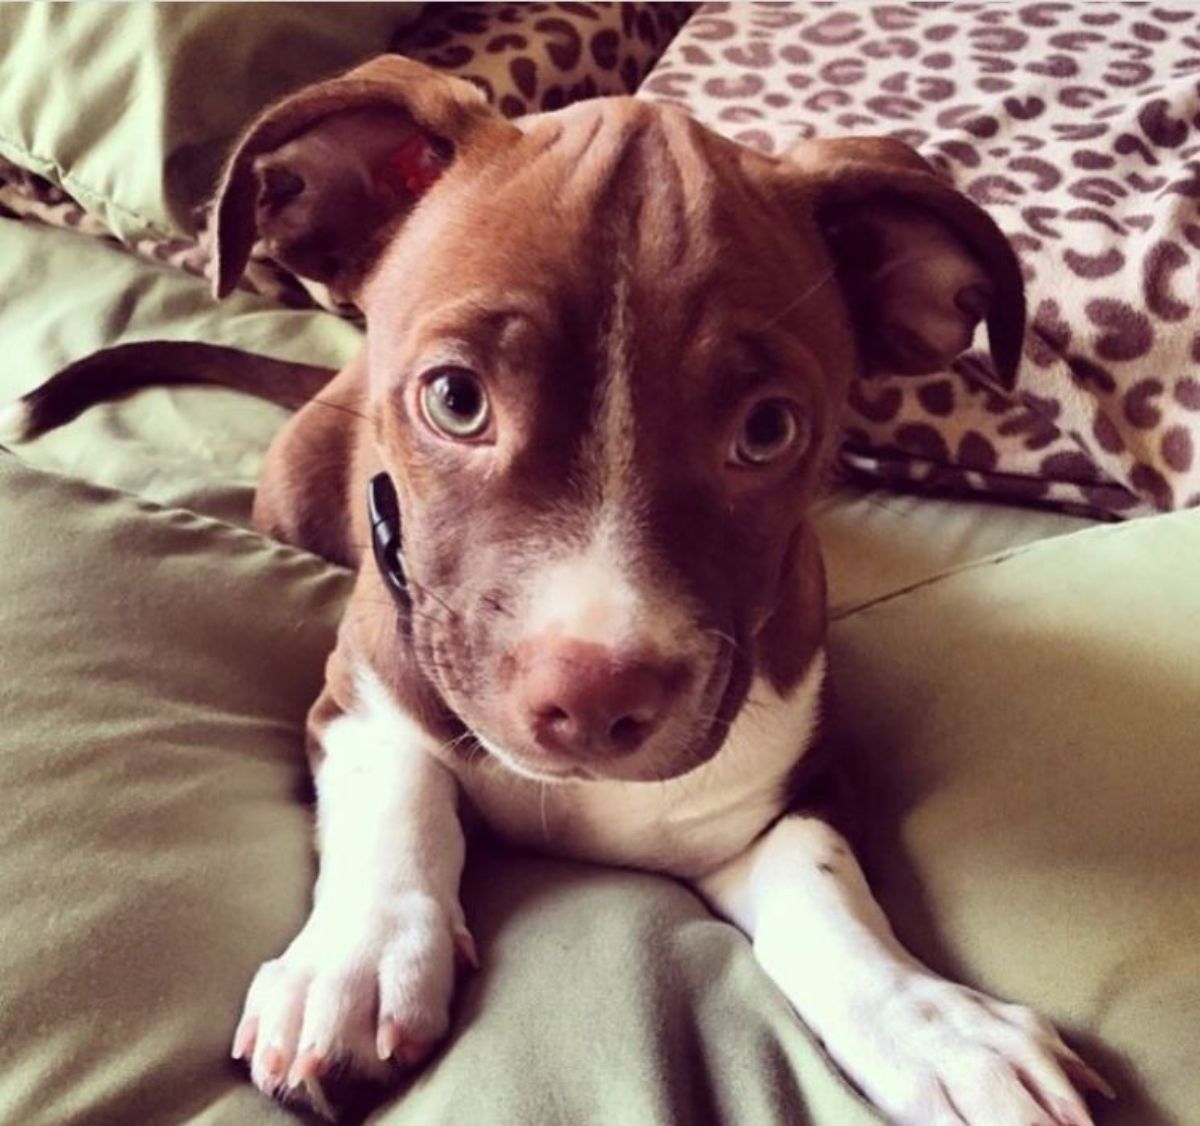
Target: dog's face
{"x": 607, "y": 354}
{"x": 603, "y": 382}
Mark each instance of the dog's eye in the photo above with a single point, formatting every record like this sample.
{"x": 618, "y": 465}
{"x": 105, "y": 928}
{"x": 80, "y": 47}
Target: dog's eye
{"x": 768, "y": 432}
{"x": 455, "y": 402}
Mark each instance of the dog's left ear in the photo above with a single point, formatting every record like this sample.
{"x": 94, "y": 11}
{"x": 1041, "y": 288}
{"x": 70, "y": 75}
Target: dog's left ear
{"x": 921, "y": 265}
{"x": 323, "y": 176}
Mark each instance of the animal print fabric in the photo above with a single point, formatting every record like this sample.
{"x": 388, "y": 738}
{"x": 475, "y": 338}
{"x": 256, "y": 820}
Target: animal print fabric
{"x": 533, "y": 57}
{"x": 1077, "y": 126}
{"x": 526, "y": 57}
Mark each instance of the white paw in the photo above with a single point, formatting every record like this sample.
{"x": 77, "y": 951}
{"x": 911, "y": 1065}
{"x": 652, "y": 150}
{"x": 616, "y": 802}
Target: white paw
{"x": 930, "y": 1052}
{"x": 353, "y": 1000}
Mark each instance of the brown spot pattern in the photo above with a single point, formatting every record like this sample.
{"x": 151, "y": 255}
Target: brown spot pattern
{"x": 1077, "y": 127}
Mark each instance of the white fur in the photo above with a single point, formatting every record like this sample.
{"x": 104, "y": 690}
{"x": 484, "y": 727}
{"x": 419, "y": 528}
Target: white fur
{"x": 685, "y": 825}
{"x": 386, "y": 916}
{"x": 591, "y": 596}
{"x": 14, "y": 422}
{"x": 595, "y": 594}
{"x": 922, "y": 1048}
{"x": 372, "y": 970}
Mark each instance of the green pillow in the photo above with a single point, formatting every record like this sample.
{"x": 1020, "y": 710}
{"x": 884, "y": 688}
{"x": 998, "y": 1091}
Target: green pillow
{"x": 130, "y": 108}
{"x": 63, "y": 297}
{"x": 1028, "y": 727}
{"x": 1028, "y": 731}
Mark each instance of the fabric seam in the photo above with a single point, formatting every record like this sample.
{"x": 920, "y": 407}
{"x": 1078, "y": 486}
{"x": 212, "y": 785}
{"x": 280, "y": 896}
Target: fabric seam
{"x": 15, "y": 150}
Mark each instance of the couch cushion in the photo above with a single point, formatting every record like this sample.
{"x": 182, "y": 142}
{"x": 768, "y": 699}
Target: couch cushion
{"x": 1075, "y": 125}
{"x": 63, "y": 297}
{"x": 1027, "y": 728}
{"x": 877, "y": 542}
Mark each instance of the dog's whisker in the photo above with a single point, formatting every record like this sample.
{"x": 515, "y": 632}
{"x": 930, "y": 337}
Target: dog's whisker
{"x": 720, "y": 635}
{"x": 497, "y": 605}
{"x": 298, "y": 403}
{"x": 542, "y": 810}
{"x": 452, "y": 745}
{"x": 428, "y": 592}
{"x": 407, "y": 612}
{"x": 715, "y": 720}
{"x": 796, "y": 302}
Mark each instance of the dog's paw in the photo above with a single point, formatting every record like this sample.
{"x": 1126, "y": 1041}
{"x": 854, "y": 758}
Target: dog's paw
{"x": 353, "y": 1002}
{"x": 932, "y": 1052}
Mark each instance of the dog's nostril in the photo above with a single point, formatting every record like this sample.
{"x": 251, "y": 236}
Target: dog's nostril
{"x": 576, "y": 698}
{"x": 627, "y": 732}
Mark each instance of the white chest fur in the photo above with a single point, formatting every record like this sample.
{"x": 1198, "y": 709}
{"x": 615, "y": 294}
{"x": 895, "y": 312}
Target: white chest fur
{"x": 685, "y": 825}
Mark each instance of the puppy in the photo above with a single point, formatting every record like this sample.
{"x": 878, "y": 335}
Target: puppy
{"x": 606, "y": 356}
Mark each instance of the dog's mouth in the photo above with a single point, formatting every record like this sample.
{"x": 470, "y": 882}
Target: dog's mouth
{"x": 535, "y": 765}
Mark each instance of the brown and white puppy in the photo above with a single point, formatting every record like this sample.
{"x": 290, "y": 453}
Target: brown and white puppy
{"x": 606, "y": 356}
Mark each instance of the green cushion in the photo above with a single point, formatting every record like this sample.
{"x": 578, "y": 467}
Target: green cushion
{"x": 63, "y": 297}
{"x": 131, "y": 107}
{"x": 1028, "y": 732}
{"x": 151, "y": 684}
{"x": 876, "y": 541}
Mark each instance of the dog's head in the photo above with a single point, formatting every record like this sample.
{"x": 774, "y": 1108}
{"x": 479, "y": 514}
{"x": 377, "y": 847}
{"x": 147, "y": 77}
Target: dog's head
{"x": 608, "y": 352}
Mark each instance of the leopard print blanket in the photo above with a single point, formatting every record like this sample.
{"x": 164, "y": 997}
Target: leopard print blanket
{"x": 1076, "y": 126}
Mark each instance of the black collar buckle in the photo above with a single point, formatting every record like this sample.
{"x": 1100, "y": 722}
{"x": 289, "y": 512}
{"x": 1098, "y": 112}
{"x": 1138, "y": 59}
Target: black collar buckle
{"x": 384, "y": 510}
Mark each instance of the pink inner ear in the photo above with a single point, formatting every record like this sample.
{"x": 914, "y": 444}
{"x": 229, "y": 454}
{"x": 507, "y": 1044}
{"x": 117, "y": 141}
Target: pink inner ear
{"x": 411, "y": 169}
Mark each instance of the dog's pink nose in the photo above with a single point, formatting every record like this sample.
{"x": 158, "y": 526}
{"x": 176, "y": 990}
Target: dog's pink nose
{"x": 589, "y": 701}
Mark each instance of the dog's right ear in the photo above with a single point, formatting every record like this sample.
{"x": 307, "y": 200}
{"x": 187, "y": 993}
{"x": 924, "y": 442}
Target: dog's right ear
{"x": 323, "y": 175}
{"x": 920, "y": 263}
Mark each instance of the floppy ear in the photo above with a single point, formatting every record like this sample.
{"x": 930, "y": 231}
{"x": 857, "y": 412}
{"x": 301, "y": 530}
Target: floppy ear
{"x": 321, "y": 175}
{"x": 920, "y": 264}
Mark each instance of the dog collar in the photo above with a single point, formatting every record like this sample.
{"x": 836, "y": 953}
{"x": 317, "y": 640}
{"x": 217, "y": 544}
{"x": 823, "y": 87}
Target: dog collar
{"x": 383, "y": 509}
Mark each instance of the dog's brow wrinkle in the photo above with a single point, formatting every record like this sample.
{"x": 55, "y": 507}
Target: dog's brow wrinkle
{"x": 672, "y": 212}
{"x": 591, "y": 134}
{"x": 624, "y": 167}
{"x": 546, "y": 139}
{"x": 803, "y": 296}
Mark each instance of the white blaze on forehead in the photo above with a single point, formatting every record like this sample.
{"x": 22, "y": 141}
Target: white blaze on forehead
{"x": 603, "y": 592}
{"x": 597, "y": 595}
